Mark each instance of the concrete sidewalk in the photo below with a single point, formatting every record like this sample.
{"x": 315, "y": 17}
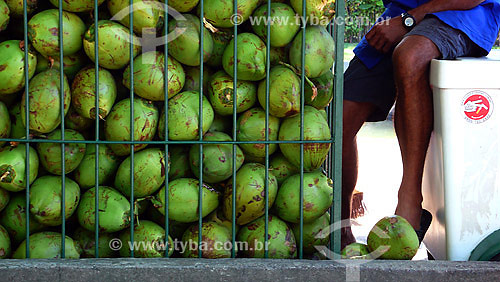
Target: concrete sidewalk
{"x": 244, "y": 270}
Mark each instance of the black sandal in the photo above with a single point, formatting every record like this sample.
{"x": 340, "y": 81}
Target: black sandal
{"x": 425, "y": 222}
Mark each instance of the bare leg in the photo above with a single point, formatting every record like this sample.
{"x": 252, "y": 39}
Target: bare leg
{"x": 413, "y": 119}
{"x": 355, "y": 114}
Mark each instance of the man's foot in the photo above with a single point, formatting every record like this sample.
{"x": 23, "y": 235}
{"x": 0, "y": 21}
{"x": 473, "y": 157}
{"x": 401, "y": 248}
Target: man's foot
{"x": 410, "y": 204}
{"x": 425, "y": 222}
{"x": 346, "y": 237}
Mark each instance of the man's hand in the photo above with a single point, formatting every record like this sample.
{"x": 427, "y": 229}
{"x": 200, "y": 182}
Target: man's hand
{"x": 385, "y": 35}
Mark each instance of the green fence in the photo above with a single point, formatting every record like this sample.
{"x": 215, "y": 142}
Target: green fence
{"x": 332, "y": 165}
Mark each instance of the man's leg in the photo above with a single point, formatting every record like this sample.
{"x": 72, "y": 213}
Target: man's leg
{"x": 355, "y": 114}
{"x": 413, "y": 119}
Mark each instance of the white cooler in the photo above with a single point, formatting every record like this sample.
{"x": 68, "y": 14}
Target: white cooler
{"x": 461, "y": 182}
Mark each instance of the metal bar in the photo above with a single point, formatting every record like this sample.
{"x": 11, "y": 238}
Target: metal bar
{"x": 200, "y": 131}
{"x": 171, "y": 142}
{"x": 63, "y": 137}
{"x": 132, "y": 147}
{"x": 96, "y": 55}
{"x": 235, "y": 98}
{"x": 331, "y": 157}
{"x": 27, "y": 119}
{"x": 339, "y": 94}
{"x": 266, "y": 183}
{"x": 167, "y": 156}
{"x": 302, "y": 84}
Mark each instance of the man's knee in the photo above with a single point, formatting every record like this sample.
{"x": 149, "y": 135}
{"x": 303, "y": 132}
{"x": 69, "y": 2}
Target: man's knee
{"x": 355, "y": 114}
{"x": 413, "y": 54}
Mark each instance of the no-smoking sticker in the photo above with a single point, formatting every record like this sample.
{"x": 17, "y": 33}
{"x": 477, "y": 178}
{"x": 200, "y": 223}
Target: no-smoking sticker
{"x": 477, "y": 107}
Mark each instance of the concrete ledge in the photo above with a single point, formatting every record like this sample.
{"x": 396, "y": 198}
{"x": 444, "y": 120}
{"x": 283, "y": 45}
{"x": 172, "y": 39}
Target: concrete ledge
{"x": 244, "y": 270}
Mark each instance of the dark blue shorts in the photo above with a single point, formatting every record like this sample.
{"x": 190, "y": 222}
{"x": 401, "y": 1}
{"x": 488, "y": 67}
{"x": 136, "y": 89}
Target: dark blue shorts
{"x": 376, "y": 85}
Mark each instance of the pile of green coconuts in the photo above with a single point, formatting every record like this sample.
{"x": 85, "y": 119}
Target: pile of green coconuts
{"x": 120, "y": 52}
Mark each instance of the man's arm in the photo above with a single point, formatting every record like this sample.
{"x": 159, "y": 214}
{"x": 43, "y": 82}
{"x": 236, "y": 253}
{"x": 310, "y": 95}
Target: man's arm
{"x": 385, "y": 35}
{"x": 435, "y": 6}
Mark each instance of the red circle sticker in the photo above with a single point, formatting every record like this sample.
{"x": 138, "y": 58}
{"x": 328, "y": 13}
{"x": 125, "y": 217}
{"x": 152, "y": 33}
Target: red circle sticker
{"x": 477, "y": 106}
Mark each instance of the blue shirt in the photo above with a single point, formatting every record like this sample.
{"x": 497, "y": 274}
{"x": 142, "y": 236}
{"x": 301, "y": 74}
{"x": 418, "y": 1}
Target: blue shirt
{"x": 480, "y": 24}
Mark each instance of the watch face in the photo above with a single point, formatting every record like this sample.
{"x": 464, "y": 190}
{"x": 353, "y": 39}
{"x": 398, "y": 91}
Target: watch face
{"x": 409, "y": 22}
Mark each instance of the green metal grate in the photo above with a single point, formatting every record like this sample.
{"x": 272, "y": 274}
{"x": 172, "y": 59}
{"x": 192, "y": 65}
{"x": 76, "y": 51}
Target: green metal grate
{"x": 334, "y": 113}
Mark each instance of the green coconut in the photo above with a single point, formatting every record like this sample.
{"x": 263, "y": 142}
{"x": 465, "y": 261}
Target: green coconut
{"x": 284, "y": 24}
{"x": 114, "y": 44}
{"x": 221, "y": 92}
{"x": 220, "y": 13}
{"x": 4, "y": 15}
{"x": 281, "y": 242}
{"x": 43, "y": 32}
{"x": 221, "y": 124}
{"x": 251, "y": 126}
{"x": 217, "y": 216}
{"x": 315, "y": 129}
{"x": 149, "y": 72}
{"x": 83, "y": 92}
{"x": 284, "y": 92}
{"x": 311, "y": 233}
{"x": 193, "y": 78}
{"x": 151, "y": 238}
{"x": 44, "y": 101}
{"x": 183, "y": 195}
{"x": 48, "y": 245}
{"x": 251, "y": 56}
{"x": 319, "y": 52}
{"x": 4, "y": 198}
{"x": 221, "y": 38}
{"x": 356, "y": 251}
{"x": 318, "y": 197}
{"x": 318, "y": 12}
{"x": 394, "y": 238}
{"x": 278, "y": 55}
{"x": 149, "y": 173}
{"x": 114, "y": 210}
{"x": 13, "y": 218}
{"x": 141, "y": 206}
{"x": 215, "y": 242}
{"x": 50, "y": 153}
{"x": 86, "y": 241}
{"x": 76, "y": 6}
{"x": 74, "y": 121}
{"x": 147, "y": 17}
{"x": 183, "y": 116}
{"x": 185, "y": 47}
{"x": 281, "y": 168}
{"x": 12, "y": 66}
{"x": 13, "y": 167}
{"x": 217, "y": 159}
{"x": 250, "y": 193}
{"x": 183, "y": 6}
{"x": 5, "y": 123}
{"x": 175, "y": 229}
{"x": 72, "y": 64}
{"x": 5, "y": 247}
{"x": 117, "y": 124}
{"x": 17, "y": 128}
{"x": 46, "y": 199}
{"x": 179, "y": 162}
{"x": 16, "y": 7}
{"x": 324, "y": 95}
{"x": 84, "y": 174}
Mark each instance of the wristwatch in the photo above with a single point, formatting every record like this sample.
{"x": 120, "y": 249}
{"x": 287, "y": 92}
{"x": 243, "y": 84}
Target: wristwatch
{"x": 409, "y": 21}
